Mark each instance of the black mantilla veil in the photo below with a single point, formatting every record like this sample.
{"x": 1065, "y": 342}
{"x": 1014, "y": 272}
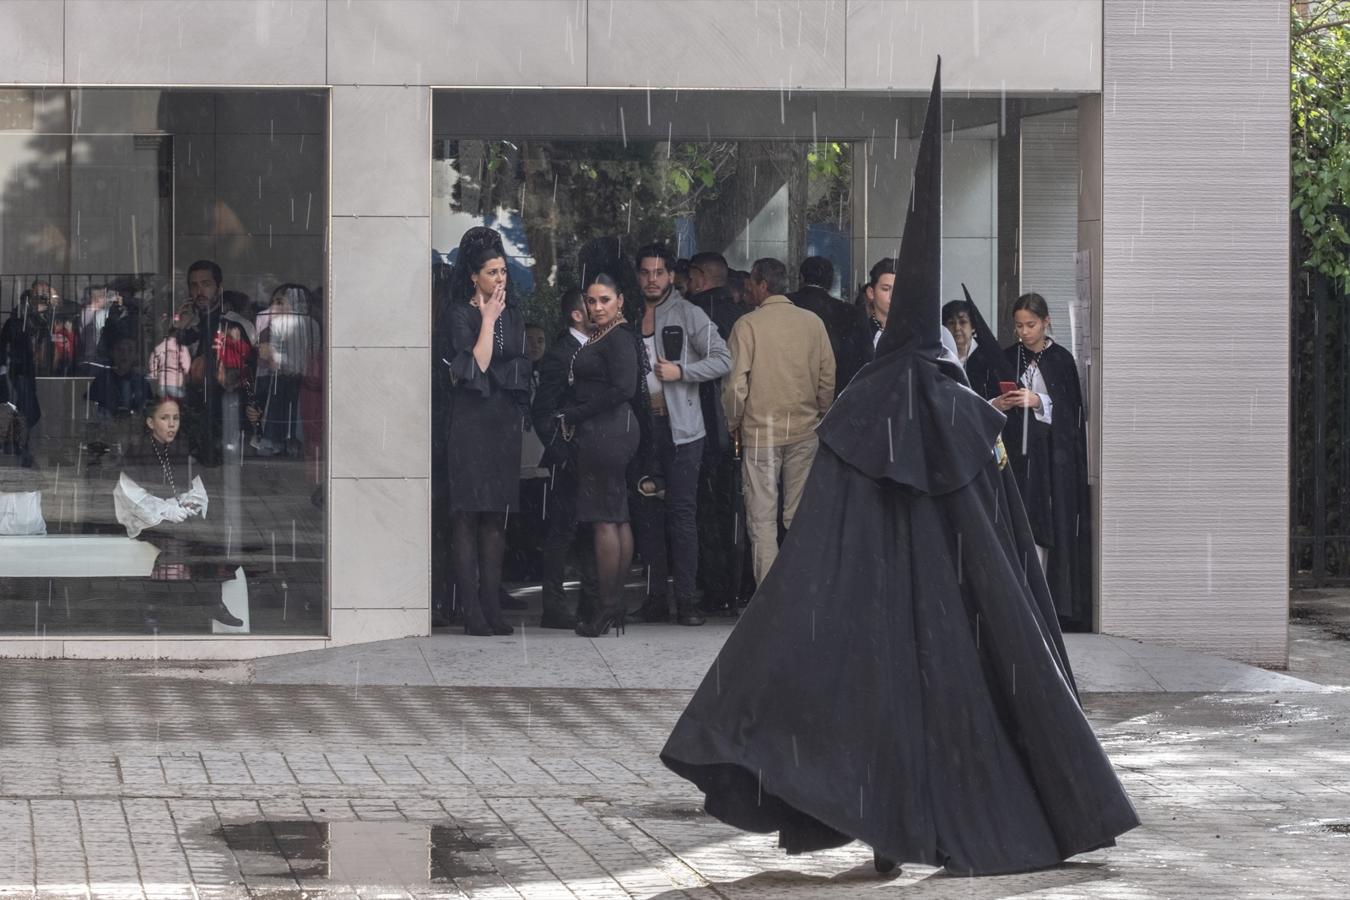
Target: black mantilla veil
{"x": 899, "y": 677}
{"x": 986, "y": 365}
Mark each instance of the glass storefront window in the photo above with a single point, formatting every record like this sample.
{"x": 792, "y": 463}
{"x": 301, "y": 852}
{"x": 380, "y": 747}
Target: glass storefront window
{"x": 162, "y": 375}
{"x": 572, "y": 179}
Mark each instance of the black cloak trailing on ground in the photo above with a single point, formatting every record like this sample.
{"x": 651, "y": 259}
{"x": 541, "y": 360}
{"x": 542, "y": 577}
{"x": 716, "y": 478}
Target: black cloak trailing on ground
{"x": 899, "y": 678}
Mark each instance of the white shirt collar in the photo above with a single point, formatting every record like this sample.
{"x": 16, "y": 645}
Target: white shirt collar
{"x": 581, "y": 336}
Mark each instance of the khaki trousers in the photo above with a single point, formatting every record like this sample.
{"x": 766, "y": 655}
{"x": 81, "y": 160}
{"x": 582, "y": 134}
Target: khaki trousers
{"x": 763, "y": 467}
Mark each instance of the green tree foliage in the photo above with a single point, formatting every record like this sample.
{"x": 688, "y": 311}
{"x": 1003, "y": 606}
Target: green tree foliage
{"x": 1320, "y": 134}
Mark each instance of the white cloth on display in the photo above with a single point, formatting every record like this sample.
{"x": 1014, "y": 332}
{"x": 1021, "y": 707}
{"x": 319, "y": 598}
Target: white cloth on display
{"x": 137, "y": 509}
{"x": 21, "y": 513}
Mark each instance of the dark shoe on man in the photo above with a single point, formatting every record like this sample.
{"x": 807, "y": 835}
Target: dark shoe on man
{"x": 557, "y": 617}
{"x": 223, "y": 615}
{"x": 686, "y": 611}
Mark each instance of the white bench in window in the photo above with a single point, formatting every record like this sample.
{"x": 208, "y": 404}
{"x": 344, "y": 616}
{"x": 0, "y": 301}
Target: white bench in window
{"x": 75, "y": 556}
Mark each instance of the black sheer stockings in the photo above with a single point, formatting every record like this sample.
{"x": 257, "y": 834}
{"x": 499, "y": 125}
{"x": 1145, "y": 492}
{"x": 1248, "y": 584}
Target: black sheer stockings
{"x": 613, "y": 556}
{"x": 477, "y": 546}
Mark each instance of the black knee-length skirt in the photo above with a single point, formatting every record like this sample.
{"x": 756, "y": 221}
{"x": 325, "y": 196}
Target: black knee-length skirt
{"x": 483, "y": 452}
{"x": 605, "y": 445}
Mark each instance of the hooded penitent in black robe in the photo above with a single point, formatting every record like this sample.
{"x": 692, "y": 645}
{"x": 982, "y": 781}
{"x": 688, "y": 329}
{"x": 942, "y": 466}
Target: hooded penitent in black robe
{"x": 899, "y": 677}
{"x": 1050, "y": 462}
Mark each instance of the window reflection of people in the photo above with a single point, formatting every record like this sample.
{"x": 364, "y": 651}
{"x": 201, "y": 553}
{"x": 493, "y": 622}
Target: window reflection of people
{"x": 201, "y": 327}
{"x": 20, "y": 411}
{"x": 159, "y": 499}
{"x": 1046, "y": 440}
{"x": 484, "y": 347}
{"x": 604, "y": 376}
{"x": 536, "y": 343}
{"x": 288, "y": 339}
{"x": 119, "y": 388}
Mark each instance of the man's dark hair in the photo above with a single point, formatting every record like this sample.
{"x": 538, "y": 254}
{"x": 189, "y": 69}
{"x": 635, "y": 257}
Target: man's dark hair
{"x": 713, "y": 265}
{"x": 681, "y": 267}
{"x": 883, "y": 266}
{"x": 657, "y": 250}
{"x": 572, "y": 300}
{"x": 205, "y": 265}
{"x": 817, "y": 271}
{"x": 771, "y": 272}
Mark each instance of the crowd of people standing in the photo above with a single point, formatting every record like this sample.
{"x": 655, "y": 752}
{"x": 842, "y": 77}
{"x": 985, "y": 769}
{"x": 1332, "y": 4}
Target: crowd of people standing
{"x": 679, "y": 426}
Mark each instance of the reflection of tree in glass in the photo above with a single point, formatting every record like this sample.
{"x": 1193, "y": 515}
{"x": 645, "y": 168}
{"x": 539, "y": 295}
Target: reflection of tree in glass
{"x": 566, "y": 195}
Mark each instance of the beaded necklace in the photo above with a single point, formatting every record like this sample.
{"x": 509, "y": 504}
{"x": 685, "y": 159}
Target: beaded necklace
{"x": 596, "y": 335}
{"x": 162, "y": 454}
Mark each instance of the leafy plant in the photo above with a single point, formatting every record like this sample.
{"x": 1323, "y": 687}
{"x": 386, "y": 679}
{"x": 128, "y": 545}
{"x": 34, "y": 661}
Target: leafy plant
{"x": 1320, "y": 134}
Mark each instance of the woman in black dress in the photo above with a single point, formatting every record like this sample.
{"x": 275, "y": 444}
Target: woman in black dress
{"x": 604, "y": 378}
{"x": 484, "y": 347}
{"x": 1047, "y": 447}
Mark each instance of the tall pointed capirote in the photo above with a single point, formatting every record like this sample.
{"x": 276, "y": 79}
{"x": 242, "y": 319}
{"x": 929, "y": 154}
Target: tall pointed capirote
{"x": 916, "y": 306}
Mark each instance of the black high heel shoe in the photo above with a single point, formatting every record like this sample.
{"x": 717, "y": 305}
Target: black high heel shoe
{"x": 499, "y": 627}
{"x": 602, "y": 622}
{"x": 882, "y": 864}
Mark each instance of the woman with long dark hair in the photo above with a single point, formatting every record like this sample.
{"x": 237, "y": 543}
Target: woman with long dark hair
{"x": 604, "y": 378}
{"x": 484, "y": 347}
{"x": 1047, "y": 447}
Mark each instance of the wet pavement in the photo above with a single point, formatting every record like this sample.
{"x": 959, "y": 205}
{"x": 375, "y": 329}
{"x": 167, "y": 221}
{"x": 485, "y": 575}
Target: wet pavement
{"x": 131, "y": 780}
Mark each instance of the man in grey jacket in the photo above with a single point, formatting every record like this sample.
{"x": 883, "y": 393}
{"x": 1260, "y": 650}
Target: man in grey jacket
{"x": 685, "y": 350}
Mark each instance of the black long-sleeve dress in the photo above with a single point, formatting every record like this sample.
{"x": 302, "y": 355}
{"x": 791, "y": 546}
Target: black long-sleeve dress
{"x": 486, "y": 410}
{"x": 605, "y": 374}
{"x": 1050, "y": 463}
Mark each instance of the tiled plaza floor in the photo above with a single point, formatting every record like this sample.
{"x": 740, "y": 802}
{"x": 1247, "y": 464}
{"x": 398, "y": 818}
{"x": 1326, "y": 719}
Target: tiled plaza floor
{"x": 115, "y": 781}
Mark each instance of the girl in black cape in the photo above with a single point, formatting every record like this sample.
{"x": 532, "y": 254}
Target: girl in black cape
{"x": 1047, "y": 449}
{"x": 899, "y": 677}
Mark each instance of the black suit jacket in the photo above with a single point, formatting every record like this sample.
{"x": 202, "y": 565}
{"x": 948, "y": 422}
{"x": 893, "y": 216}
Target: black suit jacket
{"x": 850, "y": 339}
{"x": 551, "y": 395}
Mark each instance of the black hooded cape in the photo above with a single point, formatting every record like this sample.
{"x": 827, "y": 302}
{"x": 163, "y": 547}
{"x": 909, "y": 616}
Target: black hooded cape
{"x": 899, "y": 677}
{"x": 1050, "y": 462}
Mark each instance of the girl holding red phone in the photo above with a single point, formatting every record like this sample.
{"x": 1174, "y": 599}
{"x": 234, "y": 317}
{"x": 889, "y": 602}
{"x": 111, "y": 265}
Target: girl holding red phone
{"x": 1047, "y": 448}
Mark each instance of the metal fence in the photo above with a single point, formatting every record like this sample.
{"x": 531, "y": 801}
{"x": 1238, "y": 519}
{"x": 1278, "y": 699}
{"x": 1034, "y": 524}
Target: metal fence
{"x": 1319, "y": 458}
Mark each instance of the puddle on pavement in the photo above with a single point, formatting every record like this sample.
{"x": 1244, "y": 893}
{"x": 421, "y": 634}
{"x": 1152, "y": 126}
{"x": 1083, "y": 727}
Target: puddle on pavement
{"x": 404, "y": 853}
{"x": 1319, "y": 826}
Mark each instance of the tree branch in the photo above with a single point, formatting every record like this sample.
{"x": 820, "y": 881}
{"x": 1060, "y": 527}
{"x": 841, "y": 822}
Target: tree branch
{"x": 1321, "y": 26}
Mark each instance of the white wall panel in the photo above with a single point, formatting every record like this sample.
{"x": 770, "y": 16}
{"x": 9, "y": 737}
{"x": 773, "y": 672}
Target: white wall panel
{"x": 194, "y": 42}
{"x": 457, "y": 42}
{"x": 1013, "y": 45}
{"x": 1195, "y": 391}
{"x": 31, "y": 51}
{"x": 1049, "y": 236}
{"x": 716, "y": 43}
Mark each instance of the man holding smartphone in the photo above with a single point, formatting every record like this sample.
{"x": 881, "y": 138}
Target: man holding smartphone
{"x": 686, "y": 351}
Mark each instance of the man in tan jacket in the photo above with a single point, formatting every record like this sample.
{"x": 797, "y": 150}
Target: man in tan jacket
{"x": 781, "y": 384}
